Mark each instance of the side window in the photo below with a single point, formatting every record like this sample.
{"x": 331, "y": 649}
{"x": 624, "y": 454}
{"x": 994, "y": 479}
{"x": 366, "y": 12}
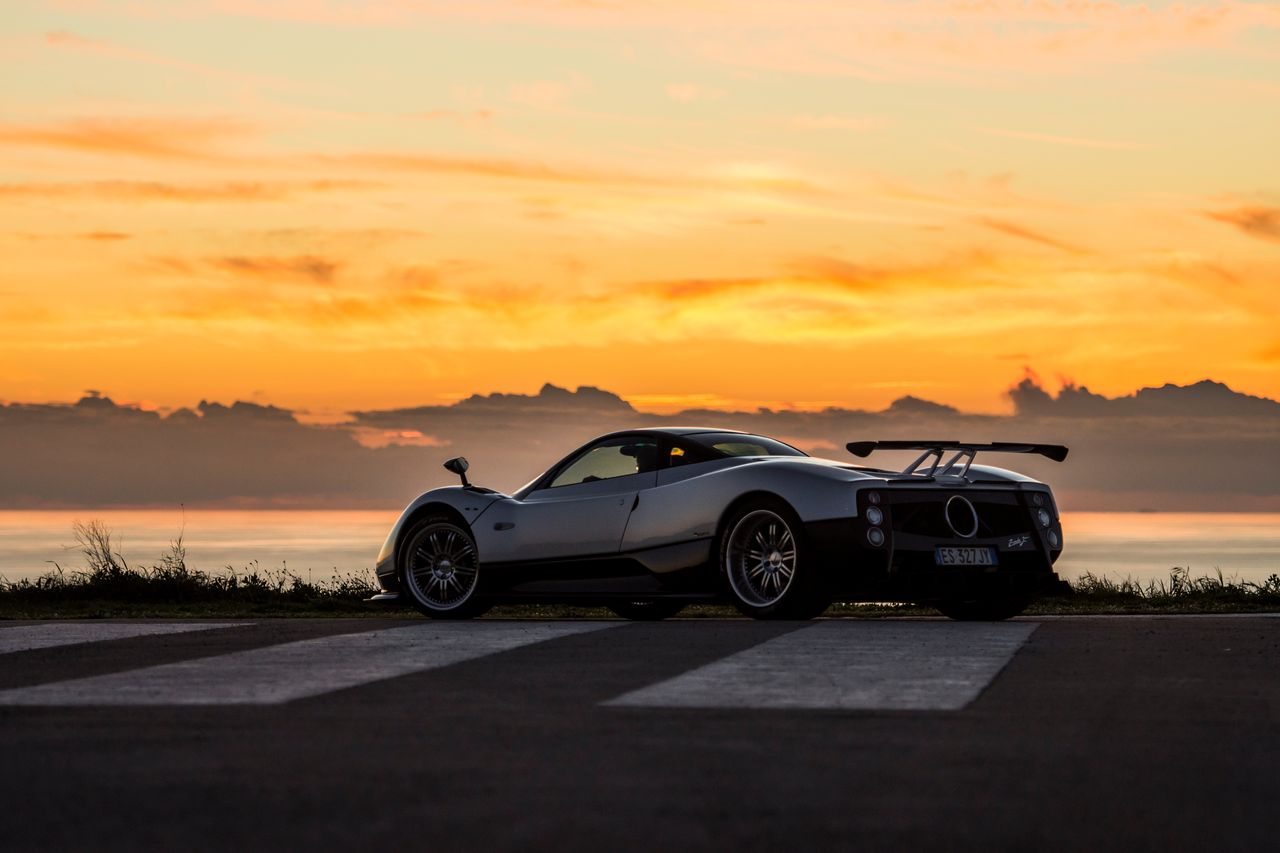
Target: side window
{"x": 687, "y": 454}
{"x": 617, "y": 457}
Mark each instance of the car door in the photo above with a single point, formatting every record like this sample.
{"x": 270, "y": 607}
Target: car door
{"x": 583, "y": 508}
{"x": 683, "y": 506}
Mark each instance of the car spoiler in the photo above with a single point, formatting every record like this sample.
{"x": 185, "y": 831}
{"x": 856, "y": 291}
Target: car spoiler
{"x": 964, "y": 452}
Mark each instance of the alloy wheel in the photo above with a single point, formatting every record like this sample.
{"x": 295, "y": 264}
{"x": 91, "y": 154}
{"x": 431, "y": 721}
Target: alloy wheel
{"x": 442, "y": 568}
{"x": 760, "y": 559}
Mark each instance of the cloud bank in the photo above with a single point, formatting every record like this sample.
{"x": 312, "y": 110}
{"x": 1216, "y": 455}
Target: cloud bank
{"x": 1197, "y": 447}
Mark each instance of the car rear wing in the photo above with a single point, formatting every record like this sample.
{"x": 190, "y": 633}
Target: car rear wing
{"x": 964, "y": 453}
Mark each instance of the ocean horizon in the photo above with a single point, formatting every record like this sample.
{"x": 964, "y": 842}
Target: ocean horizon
{"x": 316, "y": 544}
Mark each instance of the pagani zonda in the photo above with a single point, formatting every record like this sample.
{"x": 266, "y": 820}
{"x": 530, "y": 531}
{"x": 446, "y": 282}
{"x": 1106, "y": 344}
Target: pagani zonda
{"x": 647, "y": 521}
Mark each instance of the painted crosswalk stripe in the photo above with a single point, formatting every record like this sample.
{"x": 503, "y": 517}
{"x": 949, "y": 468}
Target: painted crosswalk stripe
{"x": 849, "y": 666}
{"x": 282, "y": 673}
{"x": 24, "y": 638}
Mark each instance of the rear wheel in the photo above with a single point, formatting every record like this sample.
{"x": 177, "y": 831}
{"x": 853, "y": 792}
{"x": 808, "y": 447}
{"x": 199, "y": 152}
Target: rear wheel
{"x": 984, "y": 609}
{"x": 439, "y": 569}
{"x": 765, "y": 565}
{"x": 647, "y": 611}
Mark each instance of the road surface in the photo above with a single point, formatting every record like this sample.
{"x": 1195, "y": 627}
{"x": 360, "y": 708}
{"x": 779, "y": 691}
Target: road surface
{"x": 1109, "y": 733}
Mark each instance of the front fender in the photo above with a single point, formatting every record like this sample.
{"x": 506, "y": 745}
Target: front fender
{"x": 468, "y": 503}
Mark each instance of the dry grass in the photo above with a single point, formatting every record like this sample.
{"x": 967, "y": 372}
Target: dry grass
{"x": 108, "y": 582}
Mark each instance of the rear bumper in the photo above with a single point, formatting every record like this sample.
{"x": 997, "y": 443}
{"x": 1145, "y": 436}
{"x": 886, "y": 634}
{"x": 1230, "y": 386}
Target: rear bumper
{"x": 967, "y": 584}
{"x": 903, "y": 568}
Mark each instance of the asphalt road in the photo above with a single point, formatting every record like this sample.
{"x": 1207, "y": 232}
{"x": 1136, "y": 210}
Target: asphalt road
{"x": 1121, "y": 733}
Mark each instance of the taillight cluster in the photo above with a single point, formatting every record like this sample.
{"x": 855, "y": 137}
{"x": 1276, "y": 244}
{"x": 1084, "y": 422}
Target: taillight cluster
{"x": 1041, "y": 509}
{"x": 875, "y": 518}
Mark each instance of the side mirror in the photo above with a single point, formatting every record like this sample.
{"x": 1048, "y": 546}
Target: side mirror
{"x": 458, "y": 465}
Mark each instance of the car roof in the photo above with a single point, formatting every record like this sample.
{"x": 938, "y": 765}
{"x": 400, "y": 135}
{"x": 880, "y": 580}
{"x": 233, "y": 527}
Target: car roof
{"x": 672, "y": 430}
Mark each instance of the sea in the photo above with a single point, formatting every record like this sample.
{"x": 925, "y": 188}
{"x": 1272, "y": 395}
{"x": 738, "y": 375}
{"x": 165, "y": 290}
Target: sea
{"x": 315, "y": 545}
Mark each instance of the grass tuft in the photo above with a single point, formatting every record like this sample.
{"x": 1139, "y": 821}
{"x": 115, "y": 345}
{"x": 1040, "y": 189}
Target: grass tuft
{"x": 109, "y": 585}
{"x": 1181, "y": 593}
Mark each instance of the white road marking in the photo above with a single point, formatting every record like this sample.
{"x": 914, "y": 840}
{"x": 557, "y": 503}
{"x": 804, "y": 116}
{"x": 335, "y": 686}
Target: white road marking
{"x": 23, "y": 638}
{"x": 929, "y": 666}
{"x": 277, "y": 674}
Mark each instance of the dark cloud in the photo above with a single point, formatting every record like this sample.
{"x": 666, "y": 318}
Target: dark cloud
{"x": 1201, "y": 446}
{"x": 1023, "y": 233}
{"x": 311, "y": 267}
{"x": 1195, "y": 447}
{"x": 97, "y": 453}
{"x": 1204, "y": 399}
{"x": 1263, "y": 222}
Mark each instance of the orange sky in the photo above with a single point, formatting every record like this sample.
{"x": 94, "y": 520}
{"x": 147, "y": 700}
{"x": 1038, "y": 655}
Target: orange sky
{"x": 330, "y": 205}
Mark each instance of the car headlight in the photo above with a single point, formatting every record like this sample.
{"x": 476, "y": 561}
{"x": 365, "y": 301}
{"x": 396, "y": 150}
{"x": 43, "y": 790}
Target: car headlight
{"x": 875, "y": 536}
{"x": 1044, "y": 517}
{"x": 875, "y": 515}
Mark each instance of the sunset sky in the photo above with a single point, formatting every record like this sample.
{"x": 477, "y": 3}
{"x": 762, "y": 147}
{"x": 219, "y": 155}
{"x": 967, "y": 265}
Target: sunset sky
{"x": 332, "y": 205}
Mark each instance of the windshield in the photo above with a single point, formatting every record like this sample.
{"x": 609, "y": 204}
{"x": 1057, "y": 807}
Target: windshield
{"x": 739, "y": 444}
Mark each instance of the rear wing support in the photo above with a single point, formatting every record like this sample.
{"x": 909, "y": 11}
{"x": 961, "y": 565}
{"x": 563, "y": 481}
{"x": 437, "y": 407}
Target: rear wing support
{"x": 961, "y": 459}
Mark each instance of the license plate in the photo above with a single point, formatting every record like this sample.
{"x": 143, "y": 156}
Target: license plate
{"x": 964, "y": 556}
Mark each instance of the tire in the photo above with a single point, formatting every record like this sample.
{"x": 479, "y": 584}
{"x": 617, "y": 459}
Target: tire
{"x": 983, "y": 610}
{"x": 647, "y": 611}
{"x": 440, "y": 569}
{"x": 765, "y": 565}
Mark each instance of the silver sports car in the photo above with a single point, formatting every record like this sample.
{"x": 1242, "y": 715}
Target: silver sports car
{"x": 647, "y": 521}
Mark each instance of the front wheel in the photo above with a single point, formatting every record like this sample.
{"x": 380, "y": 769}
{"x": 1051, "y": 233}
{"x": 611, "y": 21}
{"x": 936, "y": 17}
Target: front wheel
{"x": 439, "y": 569}
{"x": 651, "y": 610}
{"x": 766, "y": 567}
{"x": 984, "y": 609}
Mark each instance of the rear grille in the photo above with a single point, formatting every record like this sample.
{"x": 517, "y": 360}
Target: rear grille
{"x": 924, "y": 512}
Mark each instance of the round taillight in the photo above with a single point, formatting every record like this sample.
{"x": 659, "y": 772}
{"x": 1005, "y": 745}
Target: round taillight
{"x": 1044, "y": 517}
{"x": 875, "y": 536}
{"x": 1054, "y": 541}
{"x": 873, "y": 498}
{"x": 875, "y": 515}
{"x": 1037, "y": 498}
